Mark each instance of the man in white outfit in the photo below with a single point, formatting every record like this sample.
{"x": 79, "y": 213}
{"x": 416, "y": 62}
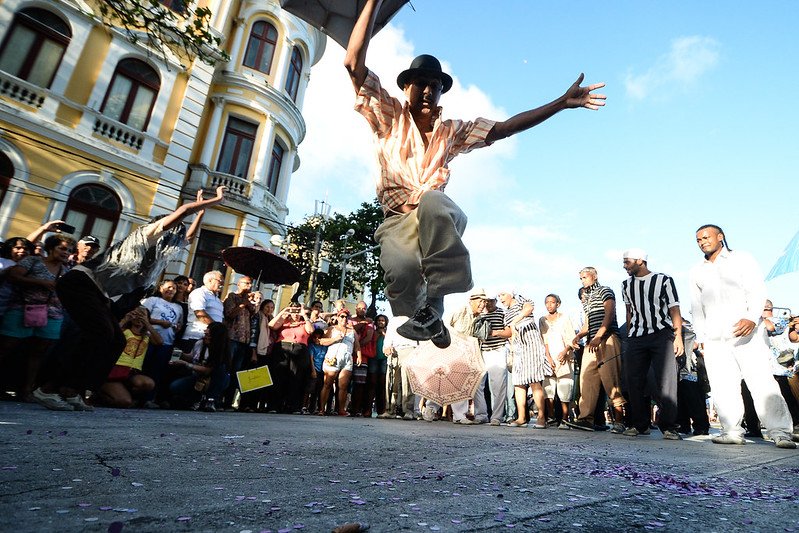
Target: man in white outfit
{"x": 727, "y": 298}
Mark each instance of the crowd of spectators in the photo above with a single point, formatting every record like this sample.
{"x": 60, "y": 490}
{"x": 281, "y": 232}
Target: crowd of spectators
{"x": 185, "y": 345}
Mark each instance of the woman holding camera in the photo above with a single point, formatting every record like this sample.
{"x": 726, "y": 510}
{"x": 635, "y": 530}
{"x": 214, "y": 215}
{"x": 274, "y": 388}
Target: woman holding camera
{"x": 290, "y": 361}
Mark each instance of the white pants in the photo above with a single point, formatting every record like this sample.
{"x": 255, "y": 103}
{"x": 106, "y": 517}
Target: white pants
{"x": 460, "y": 409}
{"x": 497, "y": 375}
{"x": 727, "y": 361}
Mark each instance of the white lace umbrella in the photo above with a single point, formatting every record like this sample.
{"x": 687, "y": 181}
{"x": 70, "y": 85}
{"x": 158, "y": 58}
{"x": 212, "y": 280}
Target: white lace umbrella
{"x": 450, "y": 375}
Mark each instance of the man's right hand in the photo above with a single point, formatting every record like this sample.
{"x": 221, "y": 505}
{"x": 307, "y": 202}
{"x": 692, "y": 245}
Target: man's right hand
{"x": 743, "y": 328}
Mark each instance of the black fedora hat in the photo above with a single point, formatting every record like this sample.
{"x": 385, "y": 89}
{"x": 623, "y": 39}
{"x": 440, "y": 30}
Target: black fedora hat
{"x": 425, "y": 64}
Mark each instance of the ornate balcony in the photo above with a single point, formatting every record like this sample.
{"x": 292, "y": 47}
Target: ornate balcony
{"x": 21, "y": 91}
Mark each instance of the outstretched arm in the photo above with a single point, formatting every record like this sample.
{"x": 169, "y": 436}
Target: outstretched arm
{"x": 36, "y": 234}
{"x": 195, "y": 226}
{"x": 175, "y": 218}
{"x": 355, "y": 60}
{"x": 576, "y": 96}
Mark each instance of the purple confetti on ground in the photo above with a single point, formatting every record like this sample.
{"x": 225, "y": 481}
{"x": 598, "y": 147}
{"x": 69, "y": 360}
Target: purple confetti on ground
{"x": 115, "y": 527}
{"x": 84, "y": 505}
{"x": 544, "y": 519}
{"x": 266, "y": 442}
{"x": 63, "y": 433}
{"x": 656, "y": 524}
{"x": 456, "y": 521}
{"x": 106, "y": 508}
{"x": 29, "y": 432}
{"x": 299, "y": 526}
{"x": 115, "y": 472}
{"x": 747, "y": 521}
{"x": 184, "y": 518}
{"x": 9, "y": 468}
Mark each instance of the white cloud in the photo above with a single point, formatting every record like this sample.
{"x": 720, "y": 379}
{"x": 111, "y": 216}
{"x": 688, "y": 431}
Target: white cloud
{"x": 688, "y": 60}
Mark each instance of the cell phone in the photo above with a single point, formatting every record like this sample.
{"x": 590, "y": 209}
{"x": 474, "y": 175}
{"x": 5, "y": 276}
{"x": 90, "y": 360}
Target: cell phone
{"x": 176, "y": 353}
{"x": 63, "y": 227}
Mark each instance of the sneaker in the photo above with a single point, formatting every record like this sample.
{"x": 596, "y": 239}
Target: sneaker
{"x": 784, "y": 441}
{"x": 423, "y": 325}
{"x": 54, "y": 402}
{"x": 581, "y": 424}
{"x": 633, "y": 432}
{"x": 384, "y": 415}
{"x": 408, "y": 416}
{"x": 563, "y": 425}
{"x": 726, "y": 438}
{"x": 304, "y": 411}
{"x": 552, "y": 422}
{"x": 209, "y": 406}
{"x": 618, "y": 428}
{"x": 495, "y": 423}
{"x": 670, "y": 434}
{"x": 464, "y": 422}
{"x": 149, "y": 404}
{"x": 428, "y": 414}
{"x": 795, "y": 436}
{"x": 78, "y": 404}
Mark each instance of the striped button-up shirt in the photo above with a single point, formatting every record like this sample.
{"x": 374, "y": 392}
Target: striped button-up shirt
{"x": 649, "y": 299}
{"x": 407, "y": 168}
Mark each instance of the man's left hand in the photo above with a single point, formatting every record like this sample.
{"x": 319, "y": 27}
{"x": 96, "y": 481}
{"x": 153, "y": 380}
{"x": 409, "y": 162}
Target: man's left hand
{"x": 578, "y": 96}
{"x": 743, "y": 328}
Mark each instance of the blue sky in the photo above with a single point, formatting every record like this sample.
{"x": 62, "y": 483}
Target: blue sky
{"x": 700, "y": 127}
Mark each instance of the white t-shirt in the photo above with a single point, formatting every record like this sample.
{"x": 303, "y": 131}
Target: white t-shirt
{"x": 201, "y": 299}
{"x": 160, "y": 309}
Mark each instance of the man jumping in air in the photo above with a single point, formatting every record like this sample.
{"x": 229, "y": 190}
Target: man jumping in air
{"x": 421, "y": 248}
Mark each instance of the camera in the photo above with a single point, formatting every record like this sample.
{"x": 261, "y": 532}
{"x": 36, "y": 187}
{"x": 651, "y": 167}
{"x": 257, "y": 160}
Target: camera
{"x": 781, "y": 312}
{"x": 63, "y": 227}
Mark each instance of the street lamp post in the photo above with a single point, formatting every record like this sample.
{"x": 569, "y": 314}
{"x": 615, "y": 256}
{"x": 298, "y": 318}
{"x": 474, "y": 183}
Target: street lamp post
{"x": 322, "y": 210}
{"x": 346, "y": 259}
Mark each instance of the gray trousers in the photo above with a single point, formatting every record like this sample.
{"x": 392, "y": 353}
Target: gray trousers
{"x": 422, "y": 253}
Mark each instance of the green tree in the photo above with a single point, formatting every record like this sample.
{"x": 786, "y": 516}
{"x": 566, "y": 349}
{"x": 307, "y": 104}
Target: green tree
{"x": 365, "y": 270}
{"x": 183, "y": 29}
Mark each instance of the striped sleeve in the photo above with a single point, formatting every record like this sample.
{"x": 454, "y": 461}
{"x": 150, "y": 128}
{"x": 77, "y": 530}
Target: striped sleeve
{"x": 466, "y": 136}
{"x": 378, "y": 107}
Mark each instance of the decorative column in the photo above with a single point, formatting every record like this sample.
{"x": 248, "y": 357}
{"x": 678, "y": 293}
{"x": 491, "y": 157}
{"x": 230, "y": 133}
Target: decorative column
{"x": 212, "y": 131}
{"x": 238, "y": 41}
{"x": 283, "y": 64}
{"x": 264, "y": 152}
{"x": 286, "y": 169}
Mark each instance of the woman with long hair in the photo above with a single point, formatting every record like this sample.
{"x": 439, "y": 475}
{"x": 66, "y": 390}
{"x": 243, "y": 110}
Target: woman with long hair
{"x": 204, "y": 370}
{"x": 166, "y": 316}
{"x": 342, "y": 343}
{"x": 35, "y": 279}
{"x": 289, "y": 361}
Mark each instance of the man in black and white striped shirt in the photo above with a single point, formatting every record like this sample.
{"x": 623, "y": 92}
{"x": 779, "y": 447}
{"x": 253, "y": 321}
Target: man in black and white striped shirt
{"x": 654, "y": 339}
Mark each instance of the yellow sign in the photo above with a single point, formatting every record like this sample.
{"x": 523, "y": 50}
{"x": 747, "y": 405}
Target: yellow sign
{"x": 257, "y": 378}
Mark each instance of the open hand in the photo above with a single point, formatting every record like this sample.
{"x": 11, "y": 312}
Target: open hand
{"x": 578, "y": 96}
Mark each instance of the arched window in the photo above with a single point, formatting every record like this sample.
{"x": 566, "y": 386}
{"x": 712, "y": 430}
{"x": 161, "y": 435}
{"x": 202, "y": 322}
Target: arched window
{"x": 34, "y": 46}
{"x": 93, "y": 210}
{"x": 261, "y": 47}
{"x": 6, "y": 173}
{"x": 237, "y": 145}
{"x": 275, "y": 164}
{"x": 131, "y": 94}
{"x": 295, "y": 69}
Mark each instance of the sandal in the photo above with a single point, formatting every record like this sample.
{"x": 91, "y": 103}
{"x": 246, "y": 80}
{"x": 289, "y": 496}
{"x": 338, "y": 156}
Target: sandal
{"x": 320, "y": 413}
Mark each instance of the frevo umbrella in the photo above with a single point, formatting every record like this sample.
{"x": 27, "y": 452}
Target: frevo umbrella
{"x": 261, "y": 264}
{"x": 337, "y": 17}
{"x": 450, "y": 375}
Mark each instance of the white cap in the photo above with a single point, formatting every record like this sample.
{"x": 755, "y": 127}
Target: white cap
{"x": 635, "y": 253}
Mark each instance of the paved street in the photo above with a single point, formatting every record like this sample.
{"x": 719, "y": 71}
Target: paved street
{"x": 139, "y": 470}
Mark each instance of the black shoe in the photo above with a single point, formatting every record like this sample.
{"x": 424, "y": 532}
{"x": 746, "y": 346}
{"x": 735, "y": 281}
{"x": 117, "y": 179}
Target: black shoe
{"x": 423, "y": 326}
{"x": 580, "y": 424}
{"x": 209, "y": 406}
{"x": 698, "y": 432}
{"x": 442, "y": 340}
{"x": 753, "y": 435}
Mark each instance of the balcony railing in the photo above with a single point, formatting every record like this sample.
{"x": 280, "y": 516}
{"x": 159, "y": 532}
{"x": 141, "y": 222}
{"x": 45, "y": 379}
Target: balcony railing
{"x": 116, "y": 131}
{"x": 21, "y": 91}
{"x": 252, "y": 195}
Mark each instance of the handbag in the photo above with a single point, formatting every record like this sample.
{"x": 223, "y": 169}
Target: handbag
{"x": 202, "y": 383}
{"x": 35, "y": 315}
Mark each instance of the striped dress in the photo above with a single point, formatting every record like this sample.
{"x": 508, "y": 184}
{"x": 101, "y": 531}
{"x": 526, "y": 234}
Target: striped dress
{"x": 529, "y": 355}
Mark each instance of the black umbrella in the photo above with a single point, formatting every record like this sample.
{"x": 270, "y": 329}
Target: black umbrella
{"x": 337, "y": 17}
{"x": 261, "y": 264}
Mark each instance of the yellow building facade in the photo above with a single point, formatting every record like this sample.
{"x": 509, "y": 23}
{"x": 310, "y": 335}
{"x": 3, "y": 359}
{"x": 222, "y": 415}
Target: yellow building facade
{"x": 105, "y": 133}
